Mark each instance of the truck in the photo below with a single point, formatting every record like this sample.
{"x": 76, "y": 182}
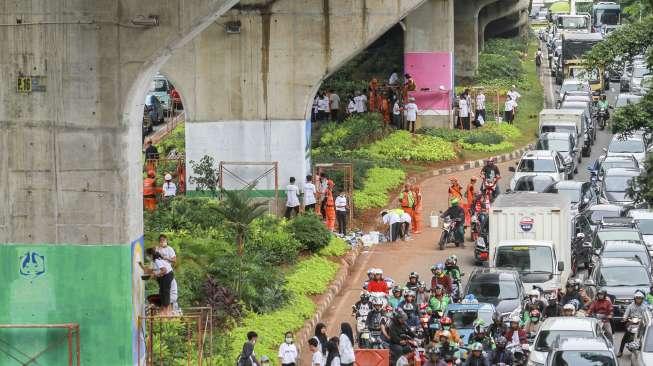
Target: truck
{"x": 606, "y": 16}
{"x": 574, "y": 46}
{"x": 572, "y": 121}
{"x": 531, "y": 233}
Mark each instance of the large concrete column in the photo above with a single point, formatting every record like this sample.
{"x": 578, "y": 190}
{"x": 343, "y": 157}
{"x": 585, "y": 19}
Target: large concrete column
{"x": 428, "y": 57}
{"x": 466, "y": 35}
{"x": 497, "y": 11}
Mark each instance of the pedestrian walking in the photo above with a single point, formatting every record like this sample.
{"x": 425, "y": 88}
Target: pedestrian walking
{"x": 292, "y": 201}
{"x": 247, "y": 356}
{"x": 509, "y": 109}
{"x": 463, "y": 111}
{"x": 341, "y": 213}
{"x": 480, "y": 117}
{"x": 288, "y": 351}
{"x": 308, "y": 195}
{"x": 411, "y": 114}
{"x": 346, "y": 345}
{"x": 334, "y": 106}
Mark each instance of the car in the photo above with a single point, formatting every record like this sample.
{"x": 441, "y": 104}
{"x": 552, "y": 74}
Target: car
{"x": 580, "y": 194}
{"x": 620, "y": 277}
{"x": 603, "y": 234}
{"x": 645, "y": 355}
{"x": 627, "y": 98}
{"x": 644, "y": 223}
{"x": 615, "y": 184}
{"x": 540, "y": 162}
{"x": 582, "y": 352}
{"x": 501, "y": 288}
{"x": 587, "y": 221}
{"x": 626, "y": 249}
{"x": 556, "y": 329}
{"x": 573, "y": 85}
{"x": 640, "y": 71}
{"x": 622, "y": 145}
{"x": 565, "y": 144}
{"x": 463, "y": 315}
{"x": 533, "y": 183}
{"x": 154, "y": 109}
{"x": 644, "y": 86}
{"x": 623, "y": 161}
{"x": 160, "y": 88}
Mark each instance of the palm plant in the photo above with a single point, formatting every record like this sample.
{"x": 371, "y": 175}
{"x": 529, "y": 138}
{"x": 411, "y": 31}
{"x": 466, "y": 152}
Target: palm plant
{"x": 238, "y": 210}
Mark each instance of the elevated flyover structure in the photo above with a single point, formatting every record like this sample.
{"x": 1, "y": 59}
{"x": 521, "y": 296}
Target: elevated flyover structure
{"x": 74, "y": 74}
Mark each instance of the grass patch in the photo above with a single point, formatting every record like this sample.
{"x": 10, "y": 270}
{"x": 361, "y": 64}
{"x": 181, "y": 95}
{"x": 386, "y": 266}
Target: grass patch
{"x": 378, "y": 183}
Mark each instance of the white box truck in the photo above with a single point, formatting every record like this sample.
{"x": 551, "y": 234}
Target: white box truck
{"x": 530, "y": 233}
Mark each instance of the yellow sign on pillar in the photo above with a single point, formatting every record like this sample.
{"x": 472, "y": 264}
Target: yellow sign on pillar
{"x": 24, "y": 84}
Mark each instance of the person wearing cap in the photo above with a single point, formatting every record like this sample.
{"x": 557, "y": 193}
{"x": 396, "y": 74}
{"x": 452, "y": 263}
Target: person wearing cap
{"x": 455, "y": 189}
{"x": 150, "y": 190}
{"x": 169, "y": 187}
{"x": 410, "y": 110}
{"x": 479, "y": 119}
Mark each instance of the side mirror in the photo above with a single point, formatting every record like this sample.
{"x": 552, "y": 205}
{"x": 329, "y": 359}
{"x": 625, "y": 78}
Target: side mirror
{"x": 561, "y": 266}
{"x": 511, "y": 169}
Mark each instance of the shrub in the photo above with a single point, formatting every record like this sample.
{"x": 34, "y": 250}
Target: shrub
{"x": 183, "y": 213}
{"x": 360, "y": 162}
{"x": 504, "y": 129}
{"x": 353, "y": 132}
{"x": 500, "y": 46}
{"x": 401, "y": 145}
{"x": 176, "y": 140}
{"x": 451, "y": 135}
{"x": 487, "y": 148}
{"x": 484, "y": 138}
{"x": 336, "y": 248}
{"x": 309, "y": 230}
{"x": 375, "y": 192}
{"x": 493, "y": 66}
{"x": 273, "y": 240}
{"x": 311, "y": 276}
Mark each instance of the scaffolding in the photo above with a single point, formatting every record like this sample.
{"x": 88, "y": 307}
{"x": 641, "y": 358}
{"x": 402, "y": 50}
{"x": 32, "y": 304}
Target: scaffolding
{"x": 347, "y": 170}
{"x": 72, "y": 338}
{"x": 178, "y": 339}
{"x": 272, "y": 167}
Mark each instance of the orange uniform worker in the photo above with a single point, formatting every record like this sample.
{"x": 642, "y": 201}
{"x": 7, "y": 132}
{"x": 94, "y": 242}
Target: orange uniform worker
{"x": 470, "y": 194}
{"x": 407, "y": 202}
{"x": 455, "y": 189}
{"x": 330, "y": 207}
{"x": 417, "y": 211}
{"x": 150, "y": 191}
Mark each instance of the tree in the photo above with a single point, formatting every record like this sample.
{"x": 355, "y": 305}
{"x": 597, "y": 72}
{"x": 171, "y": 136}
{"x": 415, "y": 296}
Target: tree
{"x": 238, "y": 209}
{"x": 622, "y": 45}
{"x": 204, "y": 176}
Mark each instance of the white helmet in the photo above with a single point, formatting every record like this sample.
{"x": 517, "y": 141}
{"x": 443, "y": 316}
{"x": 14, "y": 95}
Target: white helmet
{"x": 378, "y": 271}
{"x": 569, "y": 306}
{"x": 533, "y": 292}
{"x": 580, "y": 236}
{"x": 167, "y": 177}
{"x": 514, "y": 319}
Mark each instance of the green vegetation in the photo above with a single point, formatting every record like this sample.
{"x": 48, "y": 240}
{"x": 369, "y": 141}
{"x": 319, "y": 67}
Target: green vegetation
{"x": 561, "y": 7}
{"x": 354, "y": 132}
{"x": 500, "y": 65}
{"x": 402, "y": 145}
{"x": 336, "y": 248}
{"x": 310, "y": 232}
{"x": 175, "y": 140}
{"x": 379, "y": 181}
{"x": 624, "y": 43}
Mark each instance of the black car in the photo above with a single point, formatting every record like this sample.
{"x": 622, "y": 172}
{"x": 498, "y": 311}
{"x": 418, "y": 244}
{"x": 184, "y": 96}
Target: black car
{"x": 603, "y": 234}
{"x": 580, "y": 194}
{"x": 587, "y": 221}
{"x": 533, "y": 183}
{"x": 620, "y": 278}
{"x": 614, "y": 186}
{"x": 625, "y": 249}
{"x": 501, "y": 288}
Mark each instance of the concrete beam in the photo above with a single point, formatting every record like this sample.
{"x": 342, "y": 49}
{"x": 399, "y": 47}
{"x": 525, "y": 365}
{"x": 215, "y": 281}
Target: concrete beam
{"x": 466, "y": 40}
{"x": 496, "y": 11}
{"x": 513, "y": 24}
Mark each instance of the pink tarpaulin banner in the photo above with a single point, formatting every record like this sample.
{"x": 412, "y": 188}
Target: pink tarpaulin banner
{"x": 432, "y": 72}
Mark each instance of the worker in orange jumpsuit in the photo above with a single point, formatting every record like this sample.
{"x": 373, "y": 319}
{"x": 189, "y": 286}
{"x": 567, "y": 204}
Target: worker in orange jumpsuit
{"x": 417, "y": 211}
{"x": 150, "y": 191}
{"x": 407, "y": 202}
{"x": 455, "y": 189}
{"x": 373, "y": 102}
{"x": 385, "y": 110}
{"x": 330, "y": 207}
{"x": 470, "y": 193}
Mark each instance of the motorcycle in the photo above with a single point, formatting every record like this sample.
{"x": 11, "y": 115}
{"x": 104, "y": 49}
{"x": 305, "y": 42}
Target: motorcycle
{"x": 489, "y": 188}
{"x": 449, "y": 228}
{"x": 482, "y": 244}
{"x": 602, "y": 117}
{"x": 605, "y": 324}
{"x": 633, "y": 331}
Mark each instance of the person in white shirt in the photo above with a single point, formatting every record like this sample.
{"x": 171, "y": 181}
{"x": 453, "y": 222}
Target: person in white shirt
{"x": 411, "y": 114}
{"x": 334, "y": 105}
{"x": 292, "y": 201}
{"x": 166, "y": 251}
{"x": 333, "y": 355}
{"x": 341, "y": 213}
{"x": 169, "y": 188}
{"x": 403, "y": 360}
{"x": 322, "y": 107}
{"x": 396, "y": 114}
{"x": 514, "y": 94}
{"x": 480, "y": 109}
{"x": 394, "y": 78}
{"x": 162, "y": 271}
{"x": 317, "y": 359}
{"x": 309, "y": 194}
{"x": 288, "y": 351}
{"x": 510, "y": 107}
{"x": 393, "y": 221}
{"x": 463, "y": 112}
{"x": 351, "y": 107}
{"x": 360, "y": 101}
{"x": 406, "y": 221}
{"x": 346, "y": 345}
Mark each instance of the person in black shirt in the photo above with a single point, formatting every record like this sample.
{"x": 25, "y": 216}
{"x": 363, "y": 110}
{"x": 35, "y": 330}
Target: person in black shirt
{"x": 151, "y": 151}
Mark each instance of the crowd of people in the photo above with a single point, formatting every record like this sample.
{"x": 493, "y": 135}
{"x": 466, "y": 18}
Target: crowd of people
{"x": 473, "y": 111}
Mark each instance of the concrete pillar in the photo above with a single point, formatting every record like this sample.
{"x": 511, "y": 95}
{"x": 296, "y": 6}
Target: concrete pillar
{"x": 466, "y": 36}
{"x": 428, "y": 57}
{"x": 496, "y": 11}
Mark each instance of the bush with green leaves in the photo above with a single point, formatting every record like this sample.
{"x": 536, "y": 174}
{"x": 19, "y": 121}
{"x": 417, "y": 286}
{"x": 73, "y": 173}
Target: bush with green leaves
{"x": 355, "y": 131}
{"x": 449, "y": 134}
{"x": 502, "y": 146}
{"x": 309, "y": 230}
{"x": 273, "y": 240}
{"x": 360, "y": 162}
{"x": 402, "y": 145}
{"x": 500, "y": 46}
{"x": 183, "y": 213}
{"x": 175, "y": 140}
{"x": 482, "y": 138}
{"x": 509, "y": 131}
{"x": 493, "y": 67}
{"x": 336, "y": 248}
{"x": 377, "y": 185}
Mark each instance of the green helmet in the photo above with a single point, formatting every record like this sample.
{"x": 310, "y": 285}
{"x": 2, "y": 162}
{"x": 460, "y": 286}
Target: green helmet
{"x": 454, "y": 202}
{"x": 477, "y": 346}
{"x": 479, "y": 322}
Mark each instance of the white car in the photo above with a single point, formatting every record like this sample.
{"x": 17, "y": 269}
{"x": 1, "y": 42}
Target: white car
{"x": 540, "y": 162}
{"x": 571, "y": 85}
{"x": 556, "y": 329}
{"x": 628, "y": 145}
{"x": 644, "y": 221}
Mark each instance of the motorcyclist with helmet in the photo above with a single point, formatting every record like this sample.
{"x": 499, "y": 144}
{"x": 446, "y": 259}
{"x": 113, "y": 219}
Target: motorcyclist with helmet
{"x": 533, "y": 323}
{"x": 362, "y": 306}
{"x": 409, "y": 307}
{"x": 533, "y": 302}
{"x": 569, "y": 309}
{"x": 413, "y": 281}
{"x": 440, "y": 278}
{"x": 451, "y": 268}
{"x": 422, "y": 296}
{"x": 497, "y": 328}
{"x": 553, "y": 307}
{"x": 573, "y": 292}
{"x": 580, "y": 253}
{"x": 481, "y": 335}
{"x": 636, "y": 309}
{"x": 447, "y": 326}
{"x": 476, "y": 357}
{"x": 397, "y": 297}
{"x": 457, "y": 214}
{"x": 602, "y": 309}
{"x": 398, "y": 335}
{"x": 500, "y": 355}
{"x": 445, "y": 346}
{"x": 377, "y": 283}
{"x": 491, "y": 171}
{"x": 516, "y": 335}
{"x": 439, "y": 300}
{"x": 433, "y": 357}
{"x": 376, "y": 321}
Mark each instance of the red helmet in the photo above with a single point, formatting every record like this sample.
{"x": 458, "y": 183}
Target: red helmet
{"x": 445, "y": 320}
